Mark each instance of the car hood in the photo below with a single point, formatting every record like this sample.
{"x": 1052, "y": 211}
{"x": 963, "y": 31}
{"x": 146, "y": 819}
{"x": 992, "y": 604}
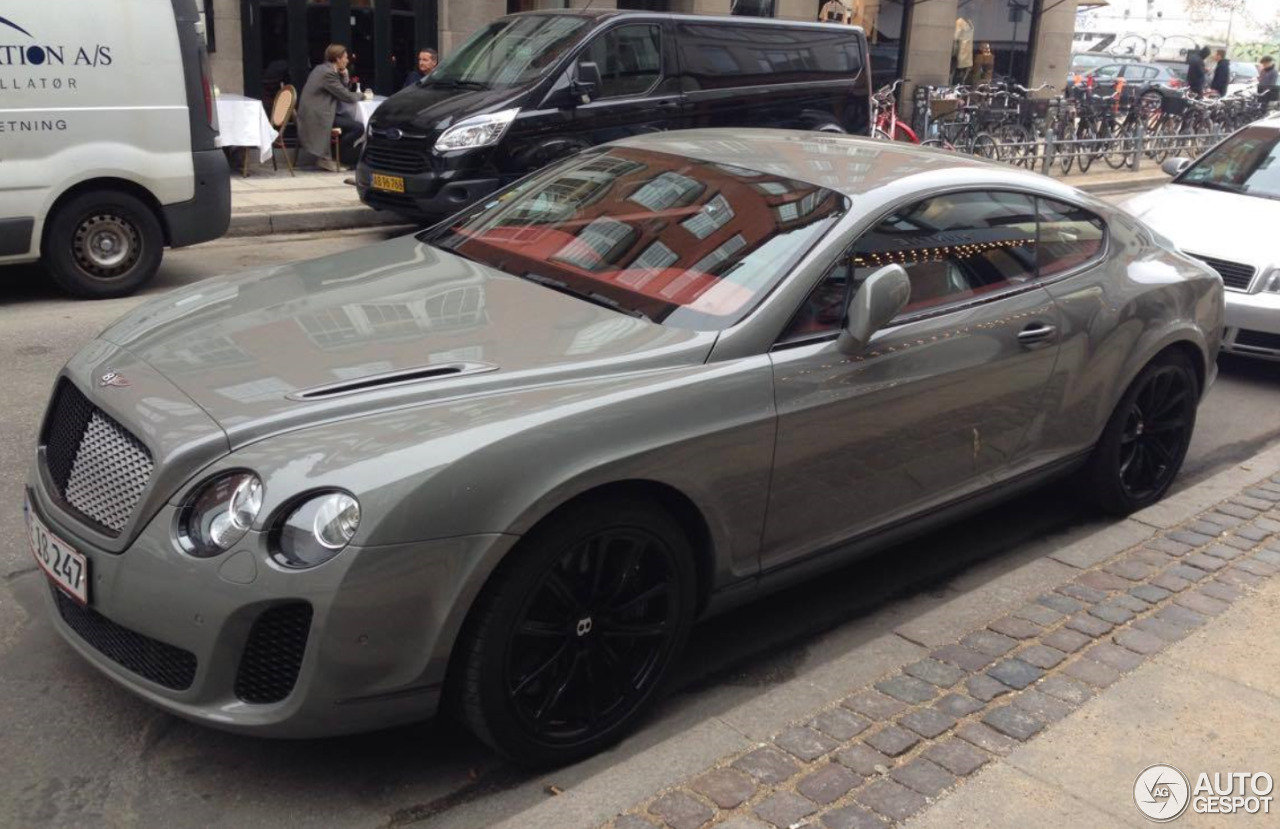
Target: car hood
{"x": 1214, "y": 223}
{"x": 434, "y": 107}
{"x": 262, "y": 352}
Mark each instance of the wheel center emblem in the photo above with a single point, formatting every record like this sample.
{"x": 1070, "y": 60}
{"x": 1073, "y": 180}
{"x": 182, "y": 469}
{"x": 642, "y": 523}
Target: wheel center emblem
{"x": 1141, "y": 427}
{"x": 584, "y": 626}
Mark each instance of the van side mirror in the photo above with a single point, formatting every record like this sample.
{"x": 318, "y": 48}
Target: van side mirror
{"x": 587, "y": 82}
{"x": 879, "y": 299}
{"x": 1174, "y": 166}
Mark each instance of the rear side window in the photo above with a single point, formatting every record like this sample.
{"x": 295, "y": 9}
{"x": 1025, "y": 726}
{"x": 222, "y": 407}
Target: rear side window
{"x": 716, "y": 55}
{"x": 954, "y": 248}
{"x": 629, "y": 58}
{"x": 1069, "y": 237}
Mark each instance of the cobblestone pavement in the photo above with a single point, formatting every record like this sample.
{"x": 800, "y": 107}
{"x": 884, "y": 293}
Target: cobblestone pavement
{"x": 886, "y": 751}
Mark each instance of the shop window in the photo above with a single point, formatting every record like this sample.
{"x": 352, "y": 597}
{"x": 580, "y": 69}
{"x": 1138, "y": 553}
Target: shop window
{"x": 752, "y": 8}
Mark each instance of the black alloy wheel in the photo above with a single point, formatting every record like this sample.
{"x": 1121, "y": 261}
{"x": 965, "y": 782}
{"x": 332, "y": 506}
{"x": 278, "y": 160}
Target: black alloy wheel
{"x": 575, "y": 634}
{"x": 1147, "y": 436}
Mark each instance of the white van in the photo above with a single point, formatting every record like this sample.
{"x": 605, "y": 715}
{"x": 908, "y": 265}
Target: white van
{"x": 107, "y": 139}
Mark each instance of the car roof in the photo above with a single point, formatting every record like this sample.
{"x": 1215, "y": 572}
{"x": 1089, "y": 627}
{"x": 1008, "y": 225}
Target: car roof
{"x": 745, "y": 20}
{"x": 847, "y": 164}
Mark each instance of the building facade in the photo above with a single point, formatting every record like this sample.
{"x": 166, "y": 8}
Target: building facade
{"x": 255, "y": 44}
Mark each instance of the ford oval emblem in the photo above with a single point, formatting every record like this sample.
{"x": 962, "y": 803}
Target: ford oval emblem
{"x": 395, "y": 134}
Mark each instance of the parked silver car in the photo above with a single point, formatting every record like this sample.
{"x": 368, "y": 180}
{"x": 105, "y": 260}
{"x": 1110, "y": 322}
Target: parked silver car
{"x": 1223, "y": 209}
{"x": 508, "y": 462}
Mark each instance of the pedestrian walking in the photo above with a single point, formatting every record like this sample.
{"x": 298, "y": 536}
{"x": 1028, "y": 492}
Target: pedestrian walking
{"x": 1195, "y": 71}
{"x": 1267, "y": 79}
{"x": 1221, "y": 73}
{"x": 318, "y": 113}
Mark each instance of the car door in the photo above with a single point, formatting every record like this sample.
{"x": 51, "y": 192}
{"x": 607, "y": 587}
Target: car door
{"x": 938, "y": 402}
{"x": 1105, "y": 77}
{"x": 640, "y": 85}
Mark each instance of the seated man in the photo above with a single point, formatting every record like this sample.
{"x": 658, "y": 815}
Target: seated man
{"x": 427, "y": 60}
{"x": 318, "y": 113}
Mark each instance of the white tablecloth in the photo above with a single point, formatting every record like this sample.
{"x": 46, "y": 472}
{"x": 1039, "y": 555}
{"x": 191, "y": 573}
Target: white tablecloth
{"x": 362, "y": 111}
{"x": 242, "y": 122}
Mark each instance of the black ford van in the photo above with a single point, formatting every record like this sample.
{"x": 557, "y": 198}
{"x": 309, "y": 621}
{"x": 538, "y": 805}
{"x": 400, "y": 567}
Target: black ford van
{"x": 532, "y": 88}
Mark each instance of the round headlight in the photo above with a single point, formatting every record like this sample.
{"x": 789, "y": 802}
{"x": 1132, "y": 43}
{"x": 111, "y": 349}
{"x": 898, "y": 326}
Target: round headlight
{"x": 316, "y": 531}
{"x": 219, "y": 514}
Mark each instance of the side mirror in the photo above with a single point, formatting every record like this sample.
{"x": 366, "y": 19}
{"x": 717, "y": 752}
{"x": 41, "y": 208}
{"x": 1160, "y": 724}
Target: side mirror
{"x": 880, "y": 298}
{"x": 586, "y": 82}
{"x": 1174, "y": 166}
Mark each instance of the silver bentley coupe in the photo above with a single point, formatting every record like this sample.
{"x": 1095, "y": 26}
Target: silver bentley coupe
{"x": 502, "y": 466}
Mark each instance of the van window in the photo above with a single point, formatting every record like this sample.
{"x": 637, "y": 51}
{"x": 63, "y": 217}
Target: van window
{"x": 724, "y": 54}
{"x": 512, "y": 51}
{"x": 629, "y": 57}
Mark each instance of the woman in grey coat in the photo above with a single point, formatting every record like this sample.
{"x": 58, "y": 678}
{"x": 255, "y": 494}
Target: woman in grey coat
{"x": 318, "y": 109}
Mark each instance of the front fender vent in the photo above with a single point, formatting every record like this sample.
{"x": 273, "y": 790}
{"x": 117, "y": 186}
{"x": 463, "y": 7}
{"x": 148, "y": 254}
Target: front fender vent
{"x": 393, "y": 378}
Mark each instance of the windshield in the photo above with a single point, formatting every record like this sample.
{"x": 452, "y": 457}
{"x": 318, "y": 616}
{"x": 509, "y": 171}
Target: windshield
{"x": 512, "y": 51}
{"x": 690, "y": 244}
{"x": 1247, "y": 162}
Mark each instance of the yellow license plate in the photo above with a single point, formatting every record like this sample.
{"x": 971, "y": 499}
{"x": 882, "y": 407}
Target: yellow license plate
{"x": 392, "y": 184}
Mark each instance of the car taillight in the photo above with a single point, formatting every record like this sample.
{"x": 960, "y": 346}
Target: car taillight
{"x": 206, "y": 88}
{"x": 1174, "y": 83}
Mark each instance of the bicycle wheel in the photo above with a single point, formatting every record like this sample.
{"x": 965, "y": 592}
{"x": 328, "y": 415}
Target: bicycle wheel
{"x": 1067, "y": 154}
{"x": 880, "y": 135}
{"x": 1085, "y": 150}
{"x": 1117, "y": 148}
{"x": 985, "y": 146}
{"x": 938, "y": 143}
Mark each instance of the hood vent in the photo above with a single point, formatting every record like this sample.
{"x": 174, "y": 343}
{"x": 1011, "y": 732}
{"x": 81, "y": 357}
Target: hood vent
{"x": 404, "y": 377}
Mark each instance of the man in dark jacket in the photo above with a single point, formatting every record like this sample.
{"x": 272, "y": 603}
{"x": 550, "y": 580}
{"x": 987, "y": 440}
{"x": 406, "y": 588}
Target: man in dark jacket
{"x": 427, "y": 60}
{"x": 1221, "y": 74}
{"x": 1195, "y": 71}
{"x": 1268, "y": 79}
{"x": 318, "y": 110}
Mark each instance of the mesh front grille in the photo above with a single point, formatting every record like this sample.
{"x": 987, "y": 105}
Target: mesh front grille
{"x": 1257, "y": 339}
{"x": 1235, "y": 276}
{"x": 273, "y": 655}
{"x": 404, "y": 157}
{"x": 165, "y": 665}
{"x": 97, "y": 465}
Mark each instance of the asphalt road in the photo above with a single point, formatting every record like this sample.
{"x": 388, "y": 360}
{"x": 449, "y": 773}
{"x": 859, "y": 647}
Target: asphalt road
{"x": 78, "y": 751}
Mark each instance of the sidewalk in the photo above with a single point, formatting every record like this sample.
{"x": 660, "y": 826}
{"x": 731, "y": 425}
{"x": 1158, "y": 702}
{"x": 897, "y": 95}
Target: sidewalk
{"x": 271, "y": 201}
{"x": 1033, "y": 700}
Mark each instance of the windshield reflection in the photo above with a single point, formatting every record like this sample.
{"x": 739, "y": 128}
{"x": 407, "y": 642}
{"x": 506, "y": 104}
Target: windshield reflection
{"x": 1247, "y": 163}
{"x": 688, "y": 243}
{"x": 510, "y": 52}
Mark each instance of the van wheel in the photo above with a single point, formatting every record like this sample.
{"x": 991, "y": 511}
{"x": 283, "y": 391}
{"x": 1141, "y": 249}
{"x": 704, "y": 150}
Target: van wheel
{"x": 572, "y": 638}
{"x": 102, "y": 244}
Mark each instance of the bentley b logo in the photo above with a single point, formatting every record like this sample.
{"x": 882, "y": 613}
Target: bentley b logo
{"x": 112, "y": 378}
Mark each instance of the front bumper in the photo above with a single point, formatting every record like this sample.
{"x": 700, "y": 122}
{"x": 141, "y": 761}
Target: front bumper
{"x": 382, "y": 623}
{"x": 1252, "y": 325}
{"x": 427, "y": 196}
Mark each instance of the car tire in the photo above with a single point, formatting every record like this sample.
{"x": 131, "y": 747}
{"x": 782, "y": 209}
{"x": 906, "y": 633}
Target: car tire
{"x": 828, "y": 126}
{"x": 573, "y": 637}
{"x": 102, "y": 244}
{"x": 1146, "y": 438}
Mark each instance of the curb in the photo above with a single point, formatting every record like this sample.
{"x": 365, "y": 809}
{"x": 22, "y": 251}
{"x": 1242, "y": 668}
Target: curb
{"x": 309, "y": 220}
{"x": 611, "y": 785}
{"x": 1121, "y": 185}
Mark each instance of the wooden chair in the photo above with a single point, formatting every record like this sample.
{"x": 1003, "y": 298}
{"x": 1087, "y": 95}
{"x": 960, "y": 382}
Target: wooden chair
{"x": 283, "y": 111}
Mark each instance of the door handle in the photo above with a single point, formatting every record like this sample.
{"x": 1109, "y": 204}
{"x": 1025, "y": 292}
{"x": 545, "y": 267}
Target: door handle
{"x": 668, "y": 103}
{"x": 1036, "y": 332}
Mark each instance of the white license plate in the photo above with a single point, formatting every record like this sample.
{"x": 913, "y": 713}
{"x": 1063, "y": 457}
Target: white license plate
{"x": 59, "y": 560}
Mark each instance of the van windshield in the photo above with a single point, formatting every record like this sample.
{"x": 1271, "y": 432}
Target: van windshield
{"x": 511, "y": 52}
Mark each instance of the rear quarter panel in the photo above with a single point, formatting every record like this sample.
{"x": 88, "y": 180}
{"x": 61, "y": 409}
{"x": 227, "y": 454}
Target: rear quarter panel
{"x": 1142, "y": 299}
